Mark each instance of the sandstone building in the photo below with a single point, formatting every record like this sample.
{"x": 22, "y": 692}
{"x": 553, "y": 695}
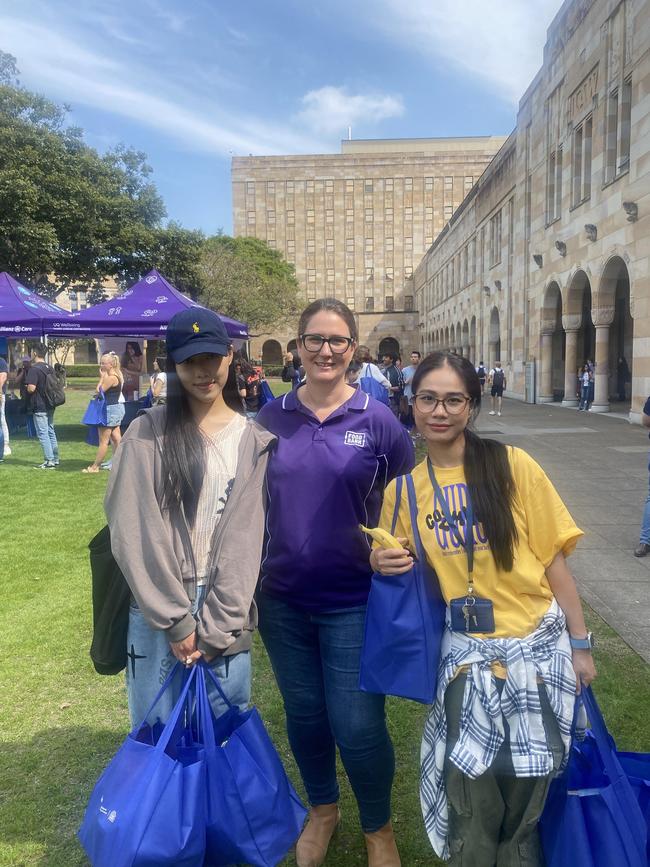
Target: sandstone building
{"x": 356, "y": 224}
{"x": 546, "y": 262}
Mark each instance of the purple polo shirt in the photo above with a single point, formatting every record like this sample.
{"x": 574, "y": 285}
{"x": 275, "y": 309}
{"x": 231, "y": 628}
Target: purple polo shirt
{"x": 323, "y": 480}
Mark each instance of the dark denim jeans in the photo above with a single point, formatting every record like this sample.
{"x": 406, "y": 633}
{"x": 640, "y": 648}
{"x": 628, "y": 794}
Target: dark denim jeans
{"x": 315, "y": 658}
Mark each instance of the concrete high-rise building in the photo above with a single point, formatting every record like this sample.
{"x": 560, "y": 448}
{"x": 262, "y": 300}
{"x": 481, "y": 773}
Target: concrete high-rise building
{"x": 355, "y": 225}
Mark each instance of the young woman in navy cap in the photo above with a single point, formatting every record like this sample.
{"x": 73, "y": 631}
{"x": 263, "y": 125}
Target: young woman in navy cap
{"x": 185, "y": 507}
{"x": 337, "y": 448}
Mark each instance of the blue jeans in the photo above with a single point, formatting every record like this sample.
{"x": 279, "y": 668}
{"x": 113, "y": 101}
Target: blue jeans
{"x": 644, "y": 538}
{"x": 2, "y": 444}
{"x": 150, "y": 660}
{"x": 315, "y": 658}
{"x": 44, "y": 424}
{"x": 584, "y": 397}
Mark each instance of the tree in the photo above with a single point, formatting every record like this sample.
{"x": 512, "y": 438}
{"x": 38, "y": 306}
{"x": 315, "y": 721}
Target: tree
{"x": 64, "y": 209}
{"x": 247, "y": 280}
{"x": 177, "y": 255}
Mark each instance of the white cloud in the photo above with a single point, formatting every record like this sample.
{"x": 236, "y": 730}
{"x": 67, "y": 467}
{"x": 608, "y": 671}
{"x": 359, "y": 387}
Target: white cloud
{"x": 330, "y": 110}
{"x": 499, "y": 42}
{"x": 77, "y": 75}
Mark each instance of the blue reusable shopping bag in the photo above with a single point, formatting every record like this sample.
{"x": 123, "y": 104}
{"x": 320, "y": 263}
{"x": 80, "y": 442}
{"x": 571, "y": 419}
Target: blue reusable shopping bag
{"x": 592, "y": 817}
{"x": 148, "y": 807}
{"x": 266, "y": 395}
{"x": 253, "y": 814}
{"x": 405, "y": 621}
{"x": 94, "y": 416}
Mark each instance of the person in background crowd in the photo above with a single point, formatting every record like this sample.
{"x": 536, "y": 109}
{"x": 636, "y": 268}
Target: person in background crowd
{"x": 159, "y": 381}
{"x": 132, "y": 366}
{"x": 25, "y": 399}
{"x": 353, "y": 372}
{"x": 623, "y": 376}
{"x": 592, "y": 383}
{"x": 4, "y": 430}
{"x": 585, "y": 378}
{"x": 110, "y": 385}
{"x": 41, "y": 410}
{"x": 643, "y": 548}
{"x": 482, "y": 375}
{"x": 336, "y": 450}
{"x": 394, "y": 376}
{"x": 369, "y": 371}
{"x": 501, "y": 723}
{"x": 185, "y": 507}
{"x": 291, "y": 370}
{"x": 241, "y": 383}
{"x": 253, "y": 387}
{"x": 497, "y": 383}
{"x": 408, "y": 373}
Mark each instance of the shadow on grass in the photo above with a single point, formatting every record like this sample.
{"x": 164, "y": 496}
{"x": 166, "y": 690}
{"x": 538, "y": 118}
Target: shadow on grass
{"x": 44, "y": 787}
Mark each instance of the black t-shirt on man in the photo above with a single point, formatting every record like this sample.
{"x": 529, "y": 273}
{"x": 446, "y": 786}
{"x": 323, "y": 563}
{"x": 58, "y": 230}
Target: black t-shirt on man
{"x": 36, "y": 376}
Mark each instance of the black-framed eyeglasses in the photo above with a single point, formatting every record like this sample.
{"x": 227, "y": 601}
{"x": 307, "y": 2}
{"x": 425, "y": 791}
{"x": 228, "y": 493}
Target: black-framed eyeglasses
{"x": 427, "y": 402}
{"x": 337, "y": 343}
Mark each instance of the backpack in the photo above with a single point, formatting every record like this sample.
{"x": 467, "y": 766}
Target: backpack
{"x": 373, "y": 387}
{"x": 481, "y": 371}
{"x": 53, "y": 392}
{"x": 497, "y": 379}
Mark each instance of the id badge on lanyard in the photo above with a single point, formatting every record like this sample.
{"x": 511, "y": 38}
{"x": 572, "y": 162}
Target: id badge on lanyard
{"x": 469, "y": 613}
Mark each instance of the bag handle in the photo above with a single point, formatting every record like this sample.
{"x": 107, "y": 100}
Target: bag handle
{"x": 398, "y": 503}
{"x": 215, "y": 680}
{"x": 413, "y": 511}
{"x": 179, "y": 708}
{"x": 204, "y": 711}
{"x": 602, "y": 737}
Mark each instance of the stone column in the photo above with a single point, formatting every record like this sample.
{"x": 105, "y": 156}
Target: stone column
{"x": 546, "y": 366}
{"x": 571, "y": 325}
{"x": 602, "y": 319}
{"x": 492, "y": 353}
{"x": 465, "y": 350}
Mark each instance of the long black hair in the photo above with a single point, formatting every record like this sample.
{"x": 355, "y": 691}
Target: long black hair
{"x": 183, "y": 461}
{"x": 487, "y": 468}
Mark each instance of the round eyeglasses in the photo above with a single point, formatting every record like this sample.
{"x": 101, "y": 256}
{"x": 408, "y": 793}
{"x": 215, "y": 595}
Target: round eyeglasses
{"x": 337, "y": 344}
{"x": 454, "y": 404}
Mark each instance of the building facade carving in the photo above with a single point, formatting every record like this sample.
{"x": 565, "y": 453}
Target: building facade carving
{"x": 550, "y": 252}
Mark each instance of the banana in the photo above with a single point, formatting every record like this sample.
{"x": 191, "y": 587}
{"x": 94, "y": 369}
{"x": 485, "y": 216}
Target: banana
{"x": 382, "y": 537}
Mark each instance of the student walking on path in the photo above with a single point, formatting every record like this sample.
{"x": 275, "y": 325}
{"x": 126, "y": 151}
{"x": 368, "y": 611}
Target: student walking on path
{"x": 185, "y": 507}
{"x": 515, "y": 648}
{"x": 337, "y": 448}
{"x": 41, "y": 409}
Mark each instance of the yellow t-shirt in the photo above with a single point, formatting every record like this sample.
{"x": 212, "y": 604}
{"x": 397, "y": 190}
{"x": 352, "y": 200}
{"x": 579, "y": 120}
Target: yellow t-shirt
{"x": 520, "y": 597}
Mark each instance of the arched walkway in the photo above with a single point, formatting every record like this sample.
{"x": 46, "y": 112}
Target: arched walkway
{"x": 272, "y": 352}
{"x": 389, "y": 345}
{"x": 473, "y": 354}
{"x": 614, "y": 334}
{"x": 580, "y": 334}
{"x": 292, "y": 346}
{"x": 552, "y": 347}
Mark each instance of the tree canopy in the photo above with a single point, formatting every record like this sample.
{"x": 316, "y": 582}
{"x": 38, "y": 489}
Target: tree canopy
{"x": 246, "y": 279}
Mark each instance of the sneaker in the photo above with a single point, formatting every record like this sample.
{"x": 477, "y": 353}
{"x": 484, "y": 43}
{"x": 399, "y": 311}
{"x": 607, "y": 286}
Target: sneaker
{"x": 46, "y": 465}
{"x": 642, "y": 550}
{"x": 498, "y": 413}
{"x": 491, "y": 412}
{"x": 106, "y": 465}
{"x": 7, "y": 451}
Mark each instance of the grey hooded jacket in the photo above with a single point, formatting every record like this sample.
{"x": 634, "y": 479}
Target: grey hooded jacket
{"x": 153, "y": 549}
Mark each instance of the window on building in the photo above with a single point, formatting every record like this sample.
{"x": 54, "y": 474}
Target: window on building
{"x": 310, "y": 216}
{"x": 389, "y": 273}
{"x": 408, "y": 303}
{"x": 408, "y": 242}
{"x": 611, "y": 136}
{"x": 449, "y": 184}
{"x": 291, "y": 249}
{"x": 370, "y": 273}
{"x": 388, "y": 244}
{"x": 311, "y": 293}
{"x": 349, "y": 245}
{"x": 370, "y": 304}
{"x": 626, "y": 124}
{"x": 389, "y": 303}
{"x": 428, "y": 214}
{"x": 350, "y": 301}
{"x": 408, "y": 184}
{"x": 581, "y": 163}
{"x": 270, "y": 216}
{"x": 408, "y": 213}
{"x": 251, "y": 218}
{"x": 310, "y": 231}
{"x": 428, "y": 184}
{"x": 311, "y": 245}
{"x": 309, "y": 187}
{"x": 495, "y": 239}
{"x": 367, "y": 185}
{"x": 289, "y": 188}
{"x": 74, "y": 302}
{"x": 554, "y": 185}
{"x": 369, "y": 215}
{"x": 271, "y": 243}
{"x": 329, "y": 216}
{"x": 311, "y": 275}
{"x": 349, "y": 215}
{"x": 388, "y": 215}
{"x": 448, "y": 212}
{"x": 349, "y": 185}
{"x": 329, "y": 245}
{"x": 329, "y": 186}
{"x": 330, "y": 275}
{"x": 270, "y": 188}
{"x": 250, "y": 188}
{"x": 349, "y": 275}
{"x": 291, "y": 218}
{"x": 388, "y": 185}
{"x": 469, "y": 183}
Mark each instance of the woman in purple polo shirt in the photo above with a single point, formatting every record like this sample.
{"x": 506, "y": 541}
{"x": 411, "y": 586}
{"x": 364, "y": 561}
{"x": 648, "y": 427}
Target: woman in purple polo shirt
{"x": 337, "y": 449}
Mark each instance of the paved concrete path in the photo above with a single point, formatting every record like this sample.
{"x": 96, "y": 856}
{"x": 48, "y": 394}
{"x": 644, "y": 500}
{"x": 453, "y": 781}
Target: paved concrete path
{"x": 599, "y": 465}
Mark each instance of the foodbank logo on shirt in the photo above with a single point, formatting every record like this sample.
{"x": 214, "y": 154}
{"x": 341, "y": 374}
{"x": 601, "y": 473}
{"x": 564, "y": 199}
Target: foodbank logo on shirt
{"x": 354, "y": 439}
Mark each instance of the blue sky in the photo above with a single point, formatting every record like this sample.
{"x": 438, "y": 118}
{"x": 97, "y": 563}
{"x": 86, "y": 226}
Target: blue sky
{"x": 192, "y": 82}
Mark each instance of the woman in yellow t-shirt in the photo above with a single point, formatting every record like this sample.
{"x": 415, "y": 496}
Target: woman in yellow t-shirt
{"x": 515, "y": 648}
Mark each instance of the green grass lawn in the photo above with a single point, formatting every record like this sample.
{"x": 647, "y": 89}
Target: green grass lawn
{"x": 60, "y": 722}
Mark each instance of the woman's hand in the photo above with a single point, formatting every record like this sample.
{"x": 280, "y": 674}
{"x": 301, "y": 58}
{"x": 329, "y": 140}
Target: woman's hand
{"x": 583, "y": 665}
{"x": 391, "y": 561}
{"x": 185, "y": 651}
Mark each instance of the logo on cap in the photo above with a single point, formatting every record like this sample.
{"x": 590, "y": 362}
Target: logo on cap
{"x": 195, "y": 327}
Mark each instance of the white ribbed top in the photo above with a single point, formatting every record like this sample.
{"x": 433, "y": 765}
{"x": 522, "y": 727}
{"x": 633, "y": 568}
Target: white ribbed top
{"x": 221, "y": 452}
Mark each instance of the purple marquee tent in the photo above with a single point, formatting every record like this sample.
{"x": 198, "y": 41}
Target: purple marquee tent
{"x": 23, "y": 312}
{"x": 142, "y": 311}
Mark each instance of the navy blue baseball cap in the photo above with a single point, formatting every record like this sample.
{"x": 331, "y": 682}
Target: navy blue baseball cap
{"x": 196, "y": 331}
